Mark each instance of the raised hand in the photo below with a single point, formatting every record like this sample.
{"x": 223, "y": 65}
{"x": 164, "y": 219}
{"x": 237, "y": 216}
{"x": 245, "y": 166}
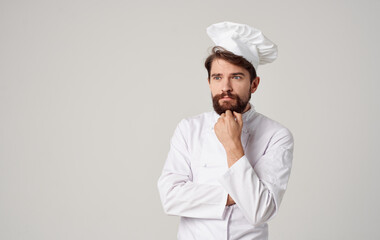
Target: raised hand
{"x": 228, "y": 130}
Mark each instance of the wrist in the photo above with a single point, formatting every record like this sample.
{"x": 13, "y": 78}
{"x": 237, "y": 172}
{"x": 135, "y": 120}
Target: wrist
{"x": 234, "y": 153}
{"x": 235, "y": 149}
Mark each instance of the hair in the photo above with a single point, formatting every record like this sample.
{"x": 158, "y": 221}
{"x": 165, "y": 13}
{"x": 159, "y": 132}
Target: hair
{"x": 218, "y": 52}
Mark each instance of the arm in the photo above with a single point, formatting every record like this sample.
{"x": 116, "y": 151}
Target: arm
{"x": 258, "y": 191}
{"x": 179, "y": 195}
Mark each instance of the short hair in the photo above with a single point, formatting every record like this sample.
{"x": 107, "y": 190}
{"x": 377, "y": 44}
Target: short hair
{"x": 218, "y": 52}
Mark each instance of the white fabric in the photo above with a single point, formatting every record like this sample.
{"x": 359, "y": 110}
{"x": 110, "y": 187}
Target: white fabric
{"x": 196, "y": 180}
{"x": 244, "y": 41}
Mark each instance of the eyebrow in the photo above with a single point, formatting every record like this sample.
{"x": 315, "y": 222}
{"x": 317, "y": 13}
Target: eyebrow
{"x": 216, "y": 75}
{"x": 237, "y": 73}
{"x": 233, "y": 74}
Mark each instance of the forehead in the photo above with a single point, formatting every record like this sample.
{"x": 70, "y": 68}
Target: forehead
{"x": 222, "y": 66}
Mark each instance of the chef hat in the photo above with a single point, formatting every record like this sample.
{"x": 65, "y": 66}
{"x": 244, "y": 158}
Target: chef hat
{"x": 243, "y": 40}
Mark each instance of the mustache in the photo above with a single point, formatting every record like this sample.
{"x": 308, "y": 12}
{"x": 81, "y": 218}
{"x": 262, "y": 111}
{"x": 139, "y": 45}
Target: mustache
{"x": 225, "y": 94}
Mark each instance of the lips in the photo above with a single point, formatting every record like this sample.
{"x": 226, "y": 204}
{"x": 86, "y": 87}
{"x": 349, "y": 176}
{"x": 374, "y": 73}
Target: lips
{"x": 226, "y": 96}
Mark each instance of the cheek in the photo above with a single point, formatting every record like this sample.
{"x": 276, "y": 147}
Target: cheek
{"x": 214, "y": 88}
{"x": 243, "y": 88}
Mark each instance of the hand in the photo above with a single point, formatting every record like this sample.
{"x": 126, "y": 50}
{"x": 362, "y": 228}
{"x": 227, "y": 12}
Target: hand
{"x": 230, "y": 201}
{"x": 228, "y": 130}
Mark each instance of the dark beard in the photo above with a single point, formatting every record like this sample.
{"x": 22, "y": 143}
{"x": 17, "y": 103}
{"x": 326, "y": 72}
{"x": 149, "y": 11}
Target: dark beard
{"x": 238, "y": 107}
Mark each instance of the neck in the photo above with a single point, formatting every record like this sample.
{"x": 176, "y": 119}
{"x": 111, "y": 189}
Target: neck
{"x": 247, "y": 108}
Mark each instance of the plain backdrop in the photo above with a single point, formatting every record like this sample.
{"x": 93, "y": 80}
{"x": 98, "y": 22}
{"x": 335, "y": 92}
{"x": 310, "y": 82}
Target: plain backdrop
{"x": 91, "y": 92}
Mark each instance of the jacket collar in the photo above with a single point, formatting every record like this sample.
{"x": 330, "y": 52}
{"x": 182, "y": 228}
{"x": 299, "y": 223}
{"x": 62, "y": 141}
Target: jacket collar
{"x": 247, "y": 116}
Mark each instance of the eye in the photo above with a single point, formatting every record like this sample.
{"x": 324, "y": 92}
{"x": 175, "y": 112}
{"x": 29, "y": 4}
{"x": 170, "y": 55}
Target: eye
{"x": 236, "y": 77}
{"x": 217, "y": 78}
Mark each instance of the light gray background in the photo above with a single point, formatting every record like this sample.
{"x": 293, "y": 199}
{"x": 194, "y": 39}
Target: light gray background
{"x": 91, "y": 91}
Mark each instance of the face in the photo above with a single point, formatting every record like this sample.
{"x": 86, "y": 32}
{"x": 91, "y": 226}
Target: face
{"x": 230, "y": 87}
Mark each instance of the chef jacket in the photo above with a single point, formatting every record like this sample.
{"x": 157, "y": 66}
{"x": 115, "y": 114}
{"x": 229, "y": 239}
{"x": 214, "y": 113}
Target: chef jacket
{"x": 195, "y": 181}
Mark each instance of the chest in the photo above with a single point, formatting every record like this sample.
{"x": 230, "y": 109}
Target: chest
{"x": 209, "y": 159}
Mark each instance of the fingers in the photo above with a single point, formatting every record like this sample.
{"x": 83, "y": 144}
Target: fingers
{"x": 234, "y": 115}
{"x": 239, "y": 118}
{"x": 229, "y": 113}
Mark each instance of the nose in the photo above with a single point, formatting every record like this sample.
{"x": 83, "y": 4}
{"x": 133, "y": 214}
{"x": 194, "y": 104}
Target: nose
{"x": 226, "y": 85}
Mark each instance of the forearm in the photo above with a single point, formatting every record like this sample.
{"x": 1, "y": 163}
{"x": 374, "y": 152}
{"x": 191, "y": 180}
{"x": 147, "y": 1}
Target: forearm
{"x": 182, "y": 197}
{"x": 234, "y": 152}
{"x": 233, "y": 155}
{"x": 250, "y": 194}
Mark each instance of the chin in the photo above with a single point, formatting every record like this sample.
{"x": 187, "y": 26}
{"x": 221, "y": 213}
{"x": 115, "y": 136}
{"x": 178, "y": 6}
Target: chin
{"x": 226, "y": 107}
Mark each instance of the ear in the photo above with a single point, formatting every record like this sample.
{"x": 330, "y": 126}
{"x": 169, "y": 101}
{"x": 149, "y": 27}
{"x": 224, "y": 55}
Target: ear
{"x": 209, "y": 83}
{"x": 255, "y": 84}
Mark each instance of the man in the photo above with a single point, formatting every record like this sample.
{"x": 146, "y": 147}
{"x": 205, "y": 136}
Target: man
{"x": 227, "y": 170}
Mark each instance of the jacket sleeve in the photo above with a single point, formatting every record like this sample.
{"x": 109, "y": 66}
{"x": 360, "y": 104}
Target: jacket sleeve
{"x": 258, "y": 191}
{"x": 179, "y": 194}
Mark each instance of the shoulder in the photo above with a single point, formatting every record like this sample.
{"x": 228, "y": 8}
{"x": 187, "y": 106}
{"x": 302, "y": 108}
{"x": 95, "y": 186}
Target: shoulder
{"x": 265, "y": 123}
{"x": 191, "y": 129}
{"x": 276, "y": 131}
{"x": 195, "y": 122}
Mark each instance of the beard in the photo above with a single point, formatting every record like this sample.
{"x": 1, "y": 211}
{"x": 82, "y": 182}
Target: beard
{"x": 236, "y": 104}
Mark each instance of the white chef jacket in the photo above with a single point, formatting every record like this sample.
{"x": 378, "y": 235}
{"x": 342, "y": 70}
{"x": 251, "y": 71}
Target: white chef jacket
{"x": 196, "y": 180}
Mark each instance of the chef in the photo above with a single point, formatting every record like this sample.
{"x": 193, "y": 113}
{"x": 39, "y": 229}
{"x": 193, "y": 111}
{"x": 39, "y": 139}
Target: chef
{"x": 227, "y": 170}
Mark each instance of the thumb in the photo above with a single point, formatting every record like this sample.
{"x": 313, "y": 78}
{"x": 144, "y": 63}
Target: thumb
{"x": 239, "y": 118}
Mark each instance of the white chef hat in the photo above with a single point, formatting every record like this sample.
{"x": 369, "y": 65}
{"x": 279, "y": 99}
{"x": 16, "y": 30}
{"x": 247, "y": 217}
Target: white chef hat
{"x": 243, "y": 40}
